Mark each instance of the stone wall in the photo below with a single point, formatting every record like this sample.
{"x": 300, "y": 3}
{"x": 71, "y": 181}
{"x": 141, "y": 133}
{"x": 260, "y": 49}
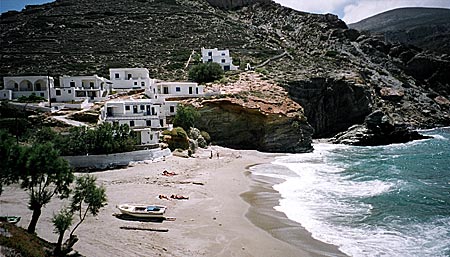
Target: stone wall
{"x": 107, "y": 161}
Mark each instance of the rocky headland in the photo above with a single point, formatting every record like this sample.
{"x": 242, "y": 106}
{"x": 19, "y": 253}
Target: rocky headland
{"x": 334, "y": 75}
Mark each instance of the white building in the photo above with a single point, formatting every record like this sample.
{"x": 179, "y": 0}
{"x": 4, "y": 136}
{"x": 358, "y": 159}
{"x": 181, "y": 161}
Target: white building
{"x": 162, "y": 90}
{"x": 79, "y": 88}
{"x": 142, "y": 115}
{"x": 130, "y": 78}
{"x": 221, "y": 57}
{"x": 15, "y": 87}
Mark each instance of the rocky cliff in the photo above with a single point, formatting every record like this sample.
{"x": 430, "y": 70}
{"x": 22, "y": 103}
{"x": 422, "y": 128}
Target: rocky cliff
{"x": 255, "y": 113}
{"x": 336, "y": 74}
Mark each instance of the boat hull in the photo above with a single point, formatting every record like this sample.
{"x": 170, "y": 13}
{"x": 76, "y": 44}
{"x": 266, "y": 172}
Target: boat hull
{"x": 142, "y": 211}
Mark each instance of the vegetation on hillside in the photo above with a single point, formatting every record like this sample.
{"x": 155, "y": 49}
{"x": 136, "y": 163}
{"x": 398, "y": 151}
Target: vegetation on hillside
{"x": 206, "y": 72}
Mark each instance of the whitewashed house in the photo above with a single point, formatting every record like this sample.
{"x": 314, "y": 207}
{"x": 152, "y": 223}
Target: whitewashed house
{"x": 130, "y": 78}
{"x": 15, "y": 87}
{"x": 221, "y": 57}
{"x": 162, "y": 90}
{"x": 79, "y": 88}
{"x": 143, "y": 116}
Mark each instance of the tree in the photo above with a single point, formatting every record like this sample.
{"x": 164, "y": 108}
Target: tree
{"x": 62, "y": 222}
{"x": 186, "y": 117}
{"x": 206, "y": 72}
{"x": 45, "y": 174}
{"x": 11, "y": 155}
{"x": 87, "y": 198}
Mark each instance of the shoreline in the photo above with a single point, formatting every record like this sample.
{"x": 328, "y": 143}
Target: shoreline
{"x": 262, "y": 199}
{"x": 219, "y": 218}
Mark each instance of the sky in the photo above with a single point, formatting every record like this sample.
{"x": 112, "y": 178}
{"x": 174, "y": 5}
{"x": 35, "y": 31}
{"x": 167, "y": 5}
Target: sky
{"x": 348, "y": 10}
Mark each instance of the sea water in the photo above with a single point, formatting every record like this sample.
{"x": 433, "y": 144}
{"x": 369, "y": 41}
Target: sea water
{"x": 371, "y": 201}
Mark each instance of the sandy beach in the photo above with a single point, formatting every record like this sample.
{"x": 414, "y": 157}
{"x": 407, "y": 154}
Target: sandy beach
{"x": 229, "y": 211}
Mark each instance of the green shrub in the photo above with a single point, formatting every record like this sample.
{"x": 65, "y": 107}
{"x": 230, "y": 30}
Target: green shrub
{"x": 178, "y": 139}
{"x": 206, "y": 72}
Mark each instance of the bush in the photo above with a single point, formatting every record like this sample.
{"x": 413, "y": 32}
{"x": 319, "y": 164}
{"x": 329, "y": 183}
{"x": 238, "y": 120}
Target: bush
{"x": 206, "y": 136}
{"x": 33, "y": 98}
{"x": 178, "y": 139}
{"x": 206, "y": 72}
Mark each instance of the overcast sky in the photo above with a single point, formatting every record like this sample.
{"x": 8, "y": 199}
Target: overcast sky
{"x": 348, "y": 10}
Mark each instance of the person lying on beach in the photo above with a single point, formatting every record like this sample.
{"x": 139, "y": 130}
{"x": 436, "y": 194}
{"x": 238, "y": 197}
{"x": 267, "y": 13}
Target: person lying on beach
{"x": 179, "y": 197}
{"x": 167, "y": 173}
{"x": 163, "y": 197}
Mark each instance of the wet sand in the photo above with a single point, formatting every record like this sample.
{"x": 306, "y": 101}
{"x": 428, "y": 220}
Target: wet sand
{"x": 229, "y": 212}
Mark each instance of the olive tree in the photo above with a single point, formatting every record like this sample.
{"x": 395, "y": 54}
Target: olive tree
{"x": 61, "y": 222}
{"x": 87, "y": 198}
{"x": 44, "y": 174}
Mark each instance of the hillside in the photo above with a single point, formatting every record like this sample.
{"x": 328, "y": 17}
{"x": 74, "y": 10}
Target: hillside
{"x": 337, "y": 75}
{"x": 428, "y": 28}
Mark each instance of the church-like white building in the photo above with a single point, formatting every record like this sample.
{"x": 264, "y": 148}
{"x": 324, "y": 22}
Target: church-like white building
{"x": 15, "y": 87}
{"x": 221, "y": 57}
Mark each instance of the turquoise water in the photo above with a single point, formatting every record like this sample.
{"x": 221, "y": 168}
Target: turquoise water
{"x": 371, "y": 201}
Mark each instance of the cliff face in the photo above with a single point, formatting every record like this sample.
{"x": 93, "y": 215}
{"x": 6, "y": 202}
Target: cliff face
{"x": 233, "y": 125}
{"x": 254, "y": 113}
{"x": 331, "y": 106}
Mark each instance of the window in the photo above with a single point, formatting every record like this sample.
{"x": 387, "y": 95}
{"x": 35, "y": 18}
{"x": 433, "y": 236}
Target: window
{"x": 91, "y": 85}
{"x": 42, "y": 94}
{"x": 142, "y": 107}
{"x": 135, "y": 109}
{"x": 209, "y": 53}
{"x": 70, "y": 91}
{"x": 16, "y": 85}
{"x": 131, "y": 123}
{"x": 223, "y": 60}
{"x": 178, "y": 89}
{"x": 142, "y": 84}
{"x": 127, "y": 107}
{"x": 117, "y": 75}
{"x": 135, "y": 83}
{"x": 58, "y": 92}
{"x": 72, "y": 83}
{"x": 172, "y": 108}
{"x": 223, "y": 54}
{"x": 130, "y": 76}
{"x": 149, "y": 123}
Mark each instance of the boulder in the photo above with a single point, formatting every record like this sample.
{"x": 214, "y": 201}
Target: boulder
{"x": 378, "y": 129}
{"x": 392, "y": 94}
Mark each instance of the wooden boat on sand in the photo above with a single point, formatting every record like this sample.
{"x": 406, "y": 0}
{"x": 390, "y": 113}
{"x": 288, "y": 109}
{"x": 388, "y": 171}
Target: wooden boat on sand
{"x": 142, "y": 210}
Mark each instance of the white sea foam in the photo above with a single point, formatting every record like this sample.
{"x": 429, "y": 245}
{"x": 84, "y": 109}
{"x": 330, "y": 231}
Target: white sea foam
{"x": 324, "y": 199}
